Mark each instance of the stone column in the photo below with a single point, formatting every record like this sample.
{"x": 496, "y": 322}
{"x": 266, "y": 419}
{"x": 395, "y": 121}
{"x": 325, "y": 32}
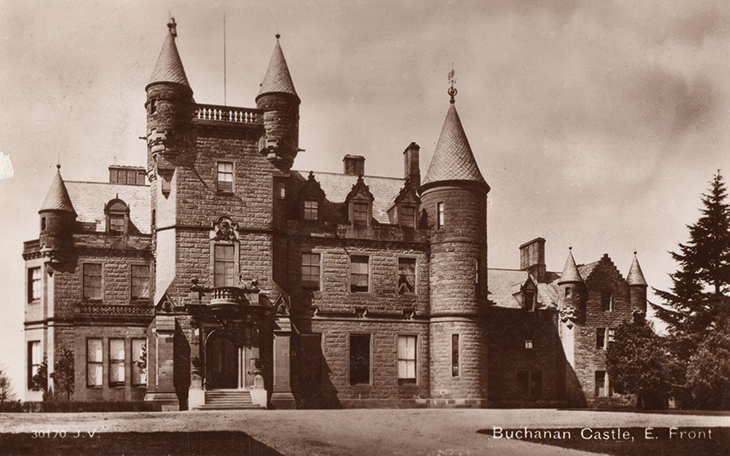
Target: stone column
{"x": 282, "y": 397}
{"x": 162, "y": 378}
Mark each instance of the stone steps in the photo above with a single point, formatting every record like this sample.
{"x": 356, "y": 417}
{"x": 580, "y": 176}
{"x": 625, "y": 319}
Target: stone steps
{"x": 232, "y": 399}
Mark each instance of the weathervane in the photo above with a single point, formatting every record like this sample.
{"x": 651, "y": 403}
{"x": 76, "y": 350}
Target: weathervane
{"x": 452, "y": 80}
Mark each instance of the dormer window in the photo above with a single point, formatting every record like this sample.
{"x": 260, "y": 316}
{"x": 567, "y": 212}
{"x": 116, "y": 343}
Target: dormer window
{"x": 407, "y": 216}
{"x": 311, "y": 210}
{"x": 360, "y": 214}
{"x": 117, "y": 217}
{"x": 529, "y": 300}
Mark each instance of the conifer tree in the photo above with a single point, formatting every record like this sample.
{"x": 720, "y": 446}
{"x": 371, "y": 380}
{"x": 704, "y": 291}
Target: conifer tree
{"x": 702, "y": 282}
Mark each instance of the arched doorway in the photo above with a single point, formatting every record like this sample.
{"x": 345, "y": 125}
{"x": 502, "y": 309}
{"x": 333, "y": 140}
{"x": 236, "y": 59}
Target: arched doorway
{"x": 222, "y": 353}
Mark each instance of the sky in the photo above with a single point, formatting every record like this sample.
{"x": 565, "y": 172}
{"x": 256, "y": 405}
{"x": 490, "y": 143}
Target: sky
{"x": 598, "y": 125}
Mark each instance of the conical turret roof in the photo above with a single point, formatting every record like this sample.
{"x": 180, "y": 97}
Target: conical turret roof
{"x": 453, "y": 159}
{"x": 636, "y": 277}
{"x": 570, "y": 271}
{"x": 57, "y": 198}
{"x": 277, "y": 78}
{"x": 169, "y": 67}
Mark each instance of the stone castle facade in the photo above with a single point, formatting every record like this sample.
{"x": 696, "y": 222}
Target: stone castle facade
{"x": 232, "y": 280}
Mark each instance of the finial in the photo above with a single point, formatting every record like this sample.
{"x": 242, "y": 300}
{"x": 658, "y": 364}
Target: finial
{"x": 172, "y": 26}
{"x": 277, "y": 36}
{"x": 570, "y": 248}
{"x": 58, "y": 161}
{"x": 452, "y": 80}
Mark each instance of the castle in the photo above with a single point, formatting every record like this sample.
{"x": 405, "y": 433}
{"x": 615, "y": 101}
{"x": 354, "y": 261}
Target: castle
{"x": 231, "y": 280}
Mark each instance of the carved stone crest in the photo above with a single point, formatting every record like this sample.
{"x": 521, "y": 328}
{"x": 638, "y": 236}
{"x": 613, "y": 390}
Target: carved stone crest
{"x": 224, "y": 230}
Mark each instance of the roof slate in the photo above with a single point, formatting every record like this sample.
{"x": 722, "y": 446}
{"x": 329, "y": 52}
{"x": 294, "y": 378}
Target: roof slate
{"x": 453, "y": 158}
{"x": 169, "y": 67}
{"x": 90, "y": 198}
{"x": 503, "y": 283}
{"x": 337, "y": 186}
{"x": 636, "y": 277}
{"x": 57, "y": 198}
{"x": 277, "y": 78}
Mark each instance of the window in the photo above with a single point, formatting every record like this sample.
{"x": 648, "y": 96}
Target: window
{"x": 529, "y": 384}
{"x": 311, "y": 210}
{"x": 116, "y": 362}
{"x": 140, "y": 281}
{"x": 408, "y": 216}
{"x": 139, "y": 362}
{"x": 406, "y": 359}
{"x": 93, "y": 362}
{"x": 281, "y": 191}
{"x": 117, "y": 216}
{"x": 116, "y": 223}
{"x": 153, "y": 105}
{"x": 601, "y": 338}
{"x": 529, "y": 300}
{"x": 359, "y": 359}
{"x": 359, "y": 273}
{"x": 477, "y": 271}
{"x": 43, "y": 223}
{"x": 567, "y": 292}
{"x": 92, "y": 281}
{"x": 34, "y": 360}
{"x": 454, "y": 355}
{"x": 440, "y": 215}
{"x": 601, "y": 381}
{"x": 223, "y": 265}
{"x": 225, "y": 177}
{"x": 607, "y": 301}
{"x": 165, "y": 176}
{"x": 310, "y": 270}
{"x": 406, "y": 275}
{"x": 360, "y": 214}
{"x": 529, "y": 340}
{"x": 34, "y": 284}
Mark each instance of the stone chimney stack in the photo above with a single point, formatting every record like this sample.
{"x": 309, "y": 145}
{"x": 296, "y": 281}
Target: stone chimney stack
{"x": 354, "y": 165}
{"x": 532, "y": 258}
{"x": 411, "y": 169}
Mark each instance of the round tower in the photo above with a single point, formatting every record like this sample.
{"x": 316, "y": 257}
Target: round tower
{"x": 57, "y": 218}
{"x": 280, "y": 105}
{"x": 454, "y": 204}
{"x": 637, "y": 286}
{"x": 571, "y": 292}
{"x": 169, "y": 105}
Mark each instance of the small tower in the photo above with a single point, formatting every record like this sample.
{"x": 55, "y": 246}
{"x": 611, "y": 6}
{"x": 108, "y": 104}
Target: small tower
{"x": 280, "y": 105}
{"x": 57, "y": 219}
{"x": 571, "y": 292}
{"x": 637, "y": 286}
{"x": 454, "y": 204}
{"x": 169, "y": 104}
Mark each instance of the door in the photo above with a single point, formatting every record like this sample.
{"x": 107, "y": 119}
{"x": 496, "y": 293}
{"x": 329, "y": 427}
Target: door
{"x": 222, "y": 360}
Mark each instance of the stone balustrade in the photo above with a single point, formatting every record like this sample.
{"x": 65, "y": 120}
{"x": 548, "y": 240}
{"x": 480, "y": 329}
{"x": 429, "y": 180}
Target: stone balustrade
{"x": 228, "y": 114}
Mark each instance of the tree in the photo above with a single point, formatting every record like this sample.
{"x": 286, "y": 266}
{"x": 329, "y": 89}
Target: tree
{"x": 638, "y": 363}
{"x": 6, "y": 392}
{"x": 63, "y": 373}
{"x": 708, "y": 369}
{"x": 39, "y": 381}
{"x": 703, "y": 280}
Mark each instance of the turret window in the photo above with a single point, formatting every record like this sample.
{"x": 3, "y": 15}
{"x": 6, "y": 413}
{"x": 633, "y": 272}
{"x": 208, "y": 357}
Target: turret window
{"x": 43, "y": 223}
{"x": 34, "y": 284}
{"x": 225, "y": 177}
{"x": 454, "y": 355}
{"x": 440, "y": 217}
